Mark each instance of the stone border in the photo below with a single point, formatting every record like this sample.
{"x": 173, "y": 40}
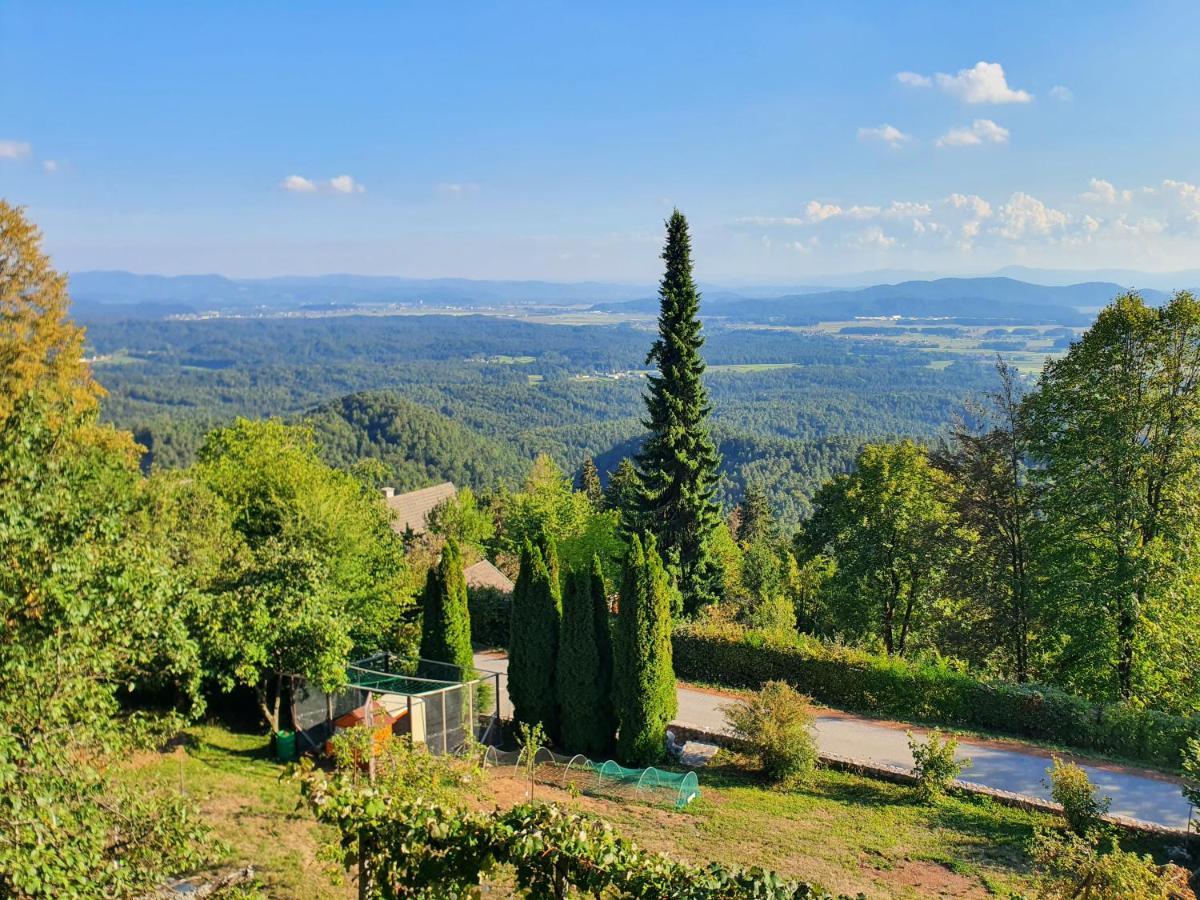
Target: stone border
{"x": 899, "y": 775}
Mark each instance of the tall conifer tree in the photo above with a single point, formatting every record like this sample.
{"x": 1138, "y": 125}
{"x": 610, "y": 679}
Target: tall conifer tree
{"x": 602, "y": 628}
{"x": 445, "y": 621}
{"x": 677, "y": 466}
{"x": 580, "y": 692}
{"x": 533, "y": 645}
{"x": 643, "y": 673}
{"x": 589, "y": 482}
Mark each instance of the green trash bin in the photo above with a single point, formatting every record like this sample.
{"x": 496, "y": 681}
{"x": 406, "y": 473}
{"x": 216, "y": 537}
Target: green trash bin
{"x": 285, "y": 746}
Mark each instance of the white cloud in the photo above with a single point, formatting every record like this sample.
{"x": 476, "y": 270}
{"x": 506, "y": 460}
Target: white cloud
{"x": 1184, "y": 195}
{"x": 462, "y": 188}
{"x": 1024, "y": 215}
{"x": 981, "y": 131}
{"x": 1104, "y": 192}
{"x": 903, "y": 209}
{"x": 344, "y": 184}
{"x": 297, "y": 184}
{"x": 912, "y": 79}
{"x": 1062, "y": 93}
{"x": 15, "y": 150}
{"x": 983, "y": 83}
{"x": 50, "y": 166}
{"x": 819, "y": 212}
{"x": 888, "y": 134}
{"x": 768, "y": 221}
{"x": 872, "y": 237}
{"x": 978, "y": 207}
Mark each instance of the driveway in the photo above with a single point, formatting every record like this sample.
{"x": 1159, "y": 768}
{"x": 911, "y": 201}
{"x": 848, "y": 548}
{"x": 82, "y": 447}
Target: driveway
{"x": 1004, "y": 765}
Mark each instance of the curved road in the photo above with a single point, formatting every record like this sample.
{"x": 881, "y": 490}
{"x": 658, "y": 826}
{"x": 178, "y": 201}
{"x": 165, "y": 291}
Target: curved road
{"x": 1003, "y": 765}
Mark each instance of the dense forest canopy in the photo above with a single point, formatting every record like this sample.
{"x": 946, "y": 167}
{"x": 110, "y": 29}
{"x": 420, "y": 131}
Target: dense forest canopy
{"x": 461, "y": 390}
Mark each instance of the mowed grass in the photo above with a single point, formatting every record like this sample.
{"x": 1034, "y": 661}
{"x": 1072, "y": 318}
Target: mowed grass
{"x": 252, "y": 806}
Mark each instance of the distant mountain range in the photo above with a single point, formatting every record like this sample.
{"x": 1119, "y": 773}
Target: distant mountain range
{"x": 127, "y": 295}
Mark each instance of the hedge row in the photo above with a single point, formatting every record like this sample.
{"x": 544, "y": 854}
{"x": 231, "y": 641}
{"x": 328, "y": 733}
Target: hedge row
{"x": 855, "y": 680}
{"x": 491, "y": 611}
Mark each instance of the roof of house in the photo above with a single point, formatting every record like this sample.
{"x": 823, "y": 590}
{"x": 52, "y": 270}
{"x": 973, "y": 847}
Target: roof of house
{"x": 484, "y": 575}
{"x": 411, "y": 510}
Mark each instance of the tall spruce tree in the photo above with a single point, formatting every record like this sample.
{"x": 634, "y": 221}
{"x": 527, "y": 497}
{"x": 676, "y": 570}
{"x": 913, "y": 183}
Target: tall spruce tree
{"x": 757, "y": 521}
{"x": 677, "y": 466}
{"x": 445, "y": 621}
{"x": 580, "y": 692}
{"x": 643, "y": 674}
{"x": 588, "y": 481}
{"x": 533, "y": 644}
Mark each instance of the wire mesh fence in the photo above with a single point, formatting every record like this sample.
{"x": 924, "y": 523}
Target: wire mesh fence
{"x": 437, "y": 705}
{"x": 607, "y": 779}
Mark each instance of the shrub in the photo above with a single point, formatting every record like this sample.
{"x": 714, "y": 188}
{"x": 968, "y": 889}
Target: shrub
{"x": 1068, "y": 867}
{"x": 934, "y": 764}
{"x": 777, "y": 725}
{"x": 847, "y": 678}
{"x": 1191, "y": 771}
{"x": 491, "y": 611}
{"x": 1072, "y": 789}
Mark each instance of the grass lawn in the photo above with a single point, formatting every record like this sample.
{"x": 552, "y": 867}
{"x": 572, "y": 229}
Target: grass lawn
{"x": 254, "y": 812}
{"x": 845, "y": 832}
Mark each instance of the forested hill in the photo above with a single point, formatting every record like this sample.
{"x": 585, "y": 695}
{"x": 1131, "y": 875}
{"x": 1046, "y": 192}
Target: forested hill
{"x": 417, "y": 445}
{"x": 473, "y": 398}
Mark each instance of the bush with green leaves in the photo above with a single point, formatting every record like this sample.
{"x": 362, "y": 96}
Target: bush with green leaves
{"x": 776, "y": 725}
{"x": 1068, "y": 867}
{"x": 405, "y": 844}
{"x": 926, "y": 691}
{"x": 934, "y": 765}
{"x": 1071, "y": 788}
{"x": 1191, "y": 771}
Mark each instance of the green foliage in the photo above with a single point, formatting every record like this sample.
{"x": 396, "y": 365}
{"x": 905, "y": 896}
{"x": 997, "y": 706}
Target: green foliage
{"x": 320, "y": 570}
{"x": 588, "y": 483}
{"x": 776, "y": 724}
{"x": 1069, "y": 867}
{"x": 531, "y": 739}
{"x": 491, "y": 616}
{"x": 892, "y": 530}
{"x": 1115, "y": 425}
{"x": 583, "y": 694}
{"x": 643, "y": 675}
{"x": 757, "y": 519}
{"x": 934, "y": 765}
{"x": 533, "y": 643}
{"x": 1191, "y": 771}
{"x": 91, "y": 608}
{"x": 461, "y": 519}
{"x": 409, "y": 845}
{"x": 445, "y": 619}
{"x": 678, "y": 463}
{"x": 927, "y": 691}
{"x": 1071, "y": 788}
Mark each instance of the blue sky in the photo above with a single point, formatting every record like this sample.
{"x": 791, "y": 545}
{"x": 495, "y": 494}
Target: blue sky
{"x": 550, "y": 140}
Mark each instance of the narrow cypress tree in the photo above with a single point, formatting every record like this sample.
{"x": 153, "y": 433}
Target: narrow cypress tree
{"x": 677, "y": 466}
{"x": 533, "y": 644}
{"x": 445, "y": 621}
{"x": 589, "y": 482}
{"x": 580, "y": 693}
{"x": 602, "y": 629}
{"x": 644, "y": 675}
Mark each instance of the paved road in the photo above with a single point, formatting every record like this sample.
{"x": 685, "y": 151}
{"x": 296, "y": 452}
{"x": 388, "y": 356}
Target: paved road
{"x": 1004, "y": 766}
